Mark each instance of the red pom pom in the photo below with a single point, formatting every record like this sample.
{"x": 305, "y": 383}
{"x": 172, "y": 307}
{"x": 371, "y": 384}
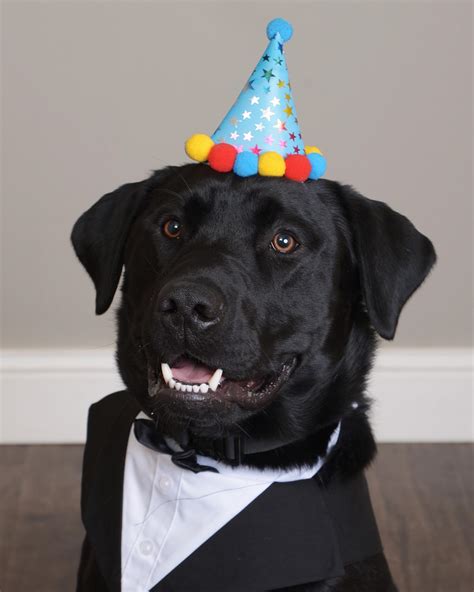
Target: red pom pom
{"x": 222, "y": 157}
{"x": 298, "y": 167}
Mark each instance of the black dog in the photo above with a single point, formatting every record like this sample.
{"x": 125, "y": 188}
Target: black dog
{"x": 283, "y": 286}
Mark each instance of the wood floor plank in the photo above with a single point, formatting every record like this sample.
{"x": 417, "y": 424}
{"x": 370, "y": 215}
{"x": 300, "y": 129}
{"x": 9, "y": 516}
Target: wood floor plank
{"x": 42, "y": 543}
{"x": 422, "y": 495}
{"x": 12, "y": 460}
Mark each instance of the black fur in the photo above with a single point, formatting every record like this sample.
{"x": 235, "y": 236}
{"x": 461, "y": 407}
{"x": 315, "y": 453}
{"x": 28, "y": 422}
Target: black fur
{"x": 357, "y": 264}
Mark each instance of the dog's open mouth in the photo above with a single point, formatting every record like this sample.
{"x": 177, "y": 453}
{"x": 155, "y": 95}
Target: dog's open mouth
{"x": 192, "y": 381}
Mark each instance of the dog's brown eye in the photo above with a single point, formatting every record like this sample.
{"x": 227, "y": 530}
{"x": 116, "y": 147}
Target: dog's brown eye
{"x": 283, "y": 242}
{"x": 172, "y": 228}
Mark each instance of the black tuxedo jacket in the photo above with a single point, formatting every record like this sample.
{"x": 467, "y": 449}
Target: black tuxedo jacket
{"x": 293, "y": 533}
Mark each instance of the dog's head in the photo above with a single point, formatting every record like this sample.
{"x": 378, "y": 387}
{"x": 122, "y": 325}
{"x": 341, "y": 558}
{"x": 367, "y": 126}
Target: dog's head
{"x": 248, "y": 302}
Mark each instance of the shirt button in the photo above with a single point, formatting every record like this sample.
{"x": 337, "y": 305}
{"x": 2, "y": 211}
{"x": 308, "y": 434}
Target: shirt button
{"x": 165, "y": 483}
{"x": 146, "y": 547}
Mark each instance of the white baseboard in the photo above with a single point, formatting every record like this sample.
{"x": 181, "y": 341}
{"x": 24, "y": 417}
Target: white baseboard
{"x": 420, "y": 395}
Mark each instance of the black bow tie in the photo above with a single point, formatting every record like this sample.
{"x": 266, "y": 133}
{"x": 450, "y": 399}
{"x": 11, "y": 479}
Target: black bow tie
{"x": 147, "y": 434}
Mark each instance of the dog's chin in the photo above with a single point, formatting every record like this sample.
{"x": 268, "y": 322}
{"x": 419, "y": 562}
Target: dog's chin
{"x": 211, "y": 403}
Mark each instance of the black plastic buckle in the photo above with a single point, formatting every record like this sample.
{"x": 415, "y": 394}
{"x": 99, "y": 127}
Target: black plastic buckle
{"x": 233, "y": 450}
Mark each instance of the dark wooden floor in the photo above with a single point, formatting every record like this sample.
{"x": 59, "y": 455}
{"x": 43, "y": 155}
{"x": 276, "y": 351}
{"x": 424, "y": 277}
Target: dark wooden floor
{"x": 422, "y": 496}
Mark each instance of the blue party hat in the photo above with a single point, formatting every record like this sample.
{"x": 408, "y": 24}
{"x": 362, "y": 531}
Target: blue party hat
{"x": 260, "y": 133}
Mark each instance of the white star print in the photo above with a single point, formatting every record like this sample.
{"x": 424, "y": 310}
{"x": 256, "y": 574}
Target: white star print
{"x": 279, "y": 124}
{"x": 267, "y": 113}
{"x": 248, "y": 136}
{"x": 254, "y": 100}
{"x": 246, "y": 114}
{"x": 275, "y": 101}
{"x": 234, "y": 135}
{"x": 259, "y": 127}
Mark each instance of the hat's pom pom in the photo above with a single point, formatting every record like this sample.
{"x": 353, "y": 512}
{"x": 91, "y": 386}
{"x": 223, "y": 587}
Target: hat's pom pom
{"x": 298, "y": 167}
{"x": 311, "y": 149}
{"x": 246, "y": 164}
{"x": 222, "y": 157}
{"x": 318, "y": 165}
{"x": 271, "y": 164}
{"x": 280, "y": 26}
{"x": 198, "y": 147}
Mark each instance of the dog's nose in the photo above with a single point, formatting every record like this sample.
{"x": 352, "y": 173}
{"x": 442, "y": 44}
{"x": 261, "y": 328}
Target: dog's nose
{"x": 200, "y": 306}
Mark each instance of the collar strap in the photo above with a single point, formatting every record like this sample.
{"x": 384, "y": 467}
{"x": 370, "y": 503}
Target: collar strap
{"x": 234, "y": 449}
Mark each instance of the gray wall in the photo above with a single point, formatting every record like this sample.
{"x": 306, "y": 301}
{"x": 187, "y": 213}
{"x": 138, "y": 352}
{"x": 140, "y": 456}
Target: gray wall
{"x": 99, "y": 93}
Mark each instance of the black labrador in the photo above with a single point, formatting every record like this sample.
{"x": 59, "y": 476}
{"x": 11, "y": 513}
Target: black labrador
{"x": 267, "y": 290}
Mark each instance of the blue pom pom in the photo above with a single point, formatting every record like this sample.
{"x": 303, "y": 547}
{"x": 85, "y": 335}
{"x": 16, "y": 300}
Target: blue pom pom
{"x": 281, "y": 26}
{"x": 246, "y": 164}
{"x": 318, "y": 165}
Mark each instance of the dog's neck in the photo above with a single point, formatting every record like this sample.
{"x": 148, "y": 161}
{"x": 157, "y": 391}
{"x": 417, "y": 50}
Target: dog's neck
{"x": 275, "y": 452}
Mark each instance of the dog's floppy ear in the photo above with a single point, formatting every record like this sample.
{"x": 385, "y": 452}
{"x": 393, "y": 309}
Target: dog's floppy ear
{"x": 99, "y": 237}
{"x": 393, "y": 258}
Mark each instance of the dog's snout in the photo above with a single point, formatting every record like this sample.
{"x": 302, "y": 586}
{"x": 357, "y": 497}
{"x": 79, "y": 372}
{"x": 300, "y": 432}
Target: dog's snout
{"x": 200, "y": 306}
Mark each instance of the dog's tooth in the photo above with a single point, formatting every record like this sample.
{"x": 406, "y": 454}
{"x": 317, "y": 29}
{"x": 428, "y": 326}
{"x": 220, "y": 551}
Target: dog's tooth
{"x": 178, "y": 386}
{"x": 214, "y": 381}
{"x": 172, "y": 383}
{"x": 166, "y": 371}
{"x": 189, "y": 388}
{"x": 195, "y": 388}
{"x": 204, "y": 387}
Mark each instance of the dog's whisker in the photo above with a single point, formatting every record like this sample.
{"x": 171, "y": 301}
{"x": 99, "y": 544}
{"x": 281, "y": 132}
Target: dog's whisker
{"x": 271, "y": 363}
{"x": 171, "y": 192}
{"x": 186, "y": 183}
{"x": 242, "y": 430}
{"x": 141, "y": 346}
{"x": 151, "y": 265}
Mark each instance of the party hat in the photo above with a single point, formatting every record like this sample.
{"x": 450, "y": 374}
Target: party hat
{"x": 260, "y": 133}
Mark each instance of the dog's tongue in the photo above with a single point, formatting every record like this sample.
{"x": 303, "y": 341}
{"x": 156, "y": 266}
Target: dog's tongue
{"x": 186, "y": 370}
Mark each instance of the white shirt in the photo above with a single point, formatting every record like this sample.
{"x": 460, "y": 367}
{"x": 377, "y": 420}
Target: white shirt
{"x": 168, "y": 512}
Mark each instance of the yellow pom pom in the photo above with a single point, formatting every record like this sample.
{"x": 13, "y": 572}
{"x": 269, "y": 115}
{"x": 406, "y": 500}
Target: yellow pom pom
{"x": 271, "y": 164}
{"x": 198, "y": 147}
{"x": 311, "y": 149}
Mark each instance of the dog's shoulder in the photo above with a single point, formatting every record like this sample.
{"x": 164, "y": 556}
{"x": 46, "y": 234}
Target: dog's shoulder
{"x": 355, "y": 448}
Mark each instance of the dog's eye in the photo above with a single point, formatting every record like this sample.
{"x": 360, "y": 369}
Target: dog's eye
{"x": 283, "y": 242}
{"x": 172, "y": 228}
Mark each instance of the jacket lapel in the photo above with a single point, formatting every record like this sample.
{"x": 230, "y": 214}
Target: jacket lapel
{"x": 285, "y": 537}
{"x": 102, "y": 507}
